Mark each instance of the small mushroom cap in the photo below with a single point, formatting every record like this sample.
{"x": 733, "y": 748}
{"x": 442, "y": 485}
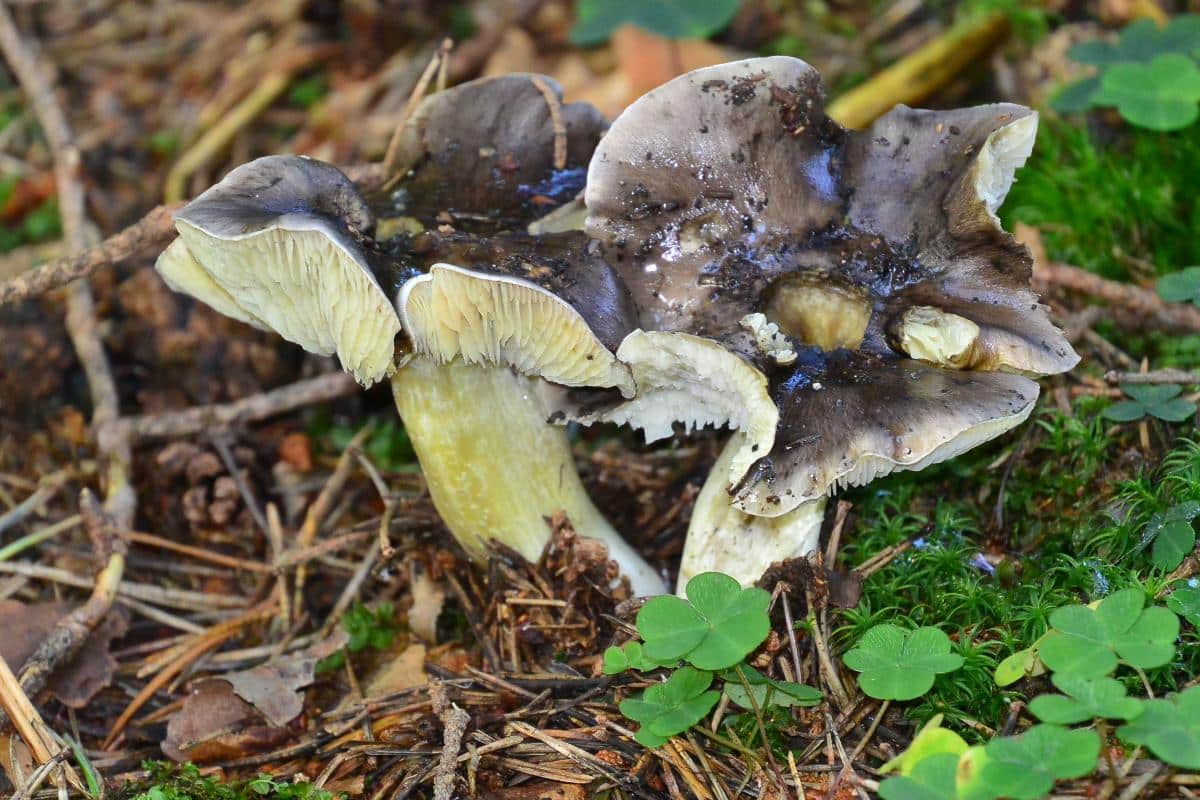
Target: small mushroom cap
{"x": 711, "y": 188}
{"x": 276, "y": 244}
{"x": 486, "y": 149}
{"x": 849, "y": 418}
{"x": 499, "y": 320}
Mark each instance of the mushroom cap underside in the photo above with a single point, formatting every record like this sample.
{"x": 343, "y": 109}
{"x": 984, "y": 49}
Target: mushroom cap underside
{"x": 277, "y": 244}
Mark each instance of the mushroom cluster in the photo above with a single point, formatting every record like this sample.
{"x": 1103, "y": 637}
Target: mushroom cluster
{"x": 846, "y": 302}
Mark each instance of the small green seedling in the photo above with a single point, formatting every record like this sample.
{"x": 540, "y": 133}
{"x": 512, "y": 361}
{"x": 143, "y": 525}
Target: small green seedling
{"x": 1172, "y": 534}
{"x": 747, "y": 687}
{"x": 1169, "y": 728}
{"x": 1025, "y": 767}
{"x": 1185, "y": 601}
{"x": 165, "y": 781}
{"x": 630, "y": 656}
{"x": 1159, "y": 401}
{"x": 715, "y": 628}
{"x": 1181, "y": 287}
{"x": 595, "y": 20}
{"x": 900, "y": 664}
{"x": 365, "y": 628}
{"x": 1084, "y": 699}
{"x": 670, "y": 708}
{"x": 1090, "y": 642}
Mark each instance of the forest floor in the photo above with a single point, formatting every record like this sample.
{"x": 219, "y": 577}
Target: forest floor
{"x": 230, "y": 507}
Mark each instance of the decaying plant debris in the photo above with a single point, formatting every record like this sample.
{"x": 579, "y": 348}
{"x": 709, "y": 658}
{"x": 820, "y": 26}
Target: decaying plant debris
{"x": 193, "y": 567}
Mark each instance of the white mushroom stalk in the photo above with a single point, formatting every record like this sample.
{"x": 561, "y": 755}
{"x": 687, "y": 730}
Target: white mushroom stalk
{"x": 485, "y": 347}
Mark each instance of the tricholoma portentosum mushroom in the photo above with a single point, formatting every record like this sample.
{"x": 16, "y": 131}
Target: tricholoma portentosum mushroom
{"x": 846, "y": 301}
{"x": 864, "y": 274}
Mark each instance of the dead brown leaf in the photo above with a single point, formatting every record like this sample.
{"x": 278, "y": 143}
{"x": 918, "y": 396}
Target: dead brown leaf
{"x": 26, "y": 626}
{"x": 215, "y": 724}
{"x": 274, "y": 688}
{"x": 403, "y": 672}
{"x": 539, "y": 790}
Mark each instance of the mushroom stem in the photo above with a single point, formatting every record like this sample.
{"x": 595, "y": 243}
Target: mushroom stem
{"x": 495, "y": 468}
{"x": 720, "y": 537}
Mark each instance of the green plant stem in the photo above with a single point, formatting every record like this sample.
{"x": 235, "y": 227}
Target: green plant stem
{"x": 1145, "y": 681}
{"x": 17, "y": 546}
{"x": 737, "y": 747}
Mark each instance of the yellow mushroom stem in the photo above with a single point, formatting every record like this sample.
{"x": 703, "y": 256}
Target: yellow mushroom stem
{"x": 494, "y": 466}
{"x": 722, "y": 538}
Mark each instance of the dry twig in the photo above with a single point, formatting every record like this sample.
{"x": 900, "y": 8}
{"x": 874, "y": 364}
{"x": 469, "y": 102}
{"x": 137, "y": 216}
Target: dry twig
{"x": 141, "y": 240}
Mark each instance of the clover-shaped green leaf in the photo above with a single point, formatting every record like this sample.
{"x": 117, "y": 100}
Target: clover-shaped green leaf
{"x": 1185, "y": 600}
{"x": 1089, "y": 641}
{"x": 1085, "y": 699}
{"x": 718, "y": 625}
{"x": 671, "y": 707}
{"x": 1160, "y": 96}
{"x": 766, "y": 691}
{"x": 932, "y": 778}
{"x": 630, "y": 656}
{"x": 900, "y": 664}
{"x": 1181, "y": 287}
{"x": 1141, "y": 41}
{"x": 1025, "y": 767}
{"x": 1170, "y": 728}
{"x": 1161, "y": 401}
{"x": 673, "y": 19}
{"x": 1172, "y": 534}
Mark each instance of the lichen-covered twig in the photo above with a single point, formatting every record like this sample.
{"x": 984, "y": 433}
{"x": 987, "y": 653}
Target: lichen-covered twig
{"x": 248, "y": 409}
{"x": 1145, "y": 305}
{"x": 1168, "y": 375}
{"x": 143, "y": 239}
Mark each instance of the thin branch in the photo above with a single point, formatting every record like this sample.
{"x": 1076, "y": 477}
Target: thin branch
{"x": 414, "y": 99}
{"x": 141, "y": 240}
{"x": 1178, "y": 376}
{"x": 249, "y": 409}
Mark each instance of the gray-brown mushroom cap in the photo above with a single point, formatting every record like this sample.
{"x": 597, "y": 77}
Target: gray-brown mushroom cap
{"x": 866, "y": 274}
{"x": 714, "y": 191}
{"x": 486, "y": 151}
{"x": 846, "y": 419}
{"x": 278, "y": 243}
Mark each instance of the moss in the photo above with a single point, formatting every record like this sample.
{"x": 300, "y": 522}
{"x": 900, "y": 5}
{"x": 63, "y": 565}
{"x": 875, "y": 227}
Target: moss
{"x": 1074, "y": 504}
{"x": 1121, "y": 209}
